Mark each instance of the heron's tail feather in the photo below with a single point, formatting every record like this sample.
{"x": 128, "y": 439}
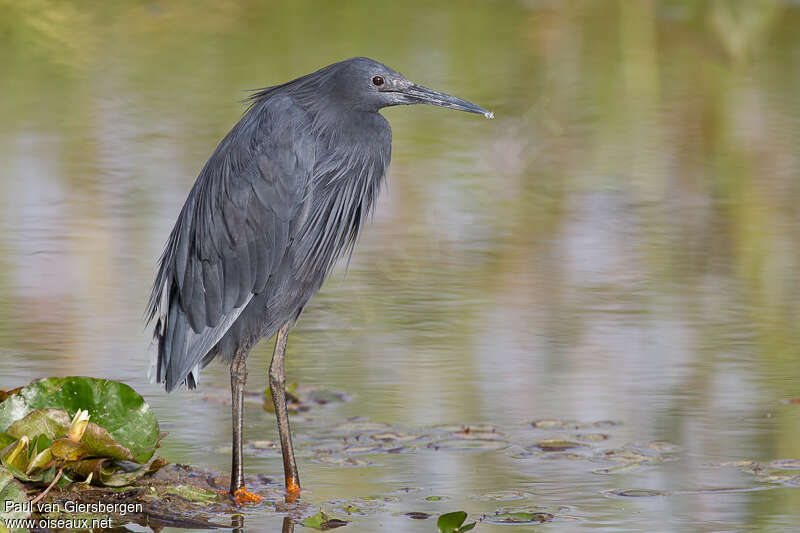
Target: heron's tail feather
{"x": 180, "y": 350}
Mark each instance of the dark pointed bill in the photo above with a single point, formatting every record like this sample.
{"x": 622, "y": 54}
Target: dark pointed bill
{"x": 423, "y": 95}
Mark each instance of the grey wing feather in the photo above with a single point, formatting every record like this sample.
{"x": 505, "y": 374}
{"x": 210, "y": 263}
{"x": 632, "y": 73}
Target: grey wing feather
{"x": 231, "y": 235}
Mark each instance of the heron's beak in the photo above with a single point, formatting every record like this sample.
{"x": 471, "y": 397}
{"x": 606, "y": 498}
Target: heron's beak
{"x": 422, "y": 95}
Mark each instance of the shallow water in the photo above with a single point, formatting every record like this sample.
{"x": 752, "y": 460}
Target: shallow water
{"x": 620, "y": 244}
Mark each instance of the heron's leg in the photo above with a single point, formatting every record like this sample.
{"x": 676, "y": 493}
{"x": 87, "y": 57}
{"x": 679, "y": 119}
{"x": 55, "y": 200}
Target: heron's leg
{"x": 277, "y": 384}
{"x": 238, "y": 380}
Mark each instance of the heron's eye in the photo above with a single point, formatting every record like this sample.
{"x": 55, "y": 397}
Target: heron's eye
{"x": 377, "y": 81}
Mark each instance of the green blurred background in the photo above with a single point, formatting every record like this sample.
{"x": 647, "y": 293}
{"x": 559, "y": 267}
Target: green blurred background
{"x": 622, "y": 242}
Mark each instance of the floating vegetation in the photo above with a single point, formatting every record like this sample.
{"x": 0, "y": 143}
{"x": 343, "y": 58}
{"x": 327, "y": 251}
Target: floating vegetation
{"x": 633, "y": 456}
{"x": 454, "y": 523}
{"x": 458, "y": 444}
{"x": 785, "y": 464}
{"x": 778, "y": 472}
{"x": 557, "y": 445}
{"x": 110, "y": 440}
{"x": 475, "y": 438}
{"x": 592, "y": 437}
{"x": 299, "y": 398}
{"x": 503, "y": 496}
{"x": 342, "y": 461}
{"x": 633, "y": 493}
{"x": 519, "y": 517}
{"x": 323, "y": 522}
{"x": 571, "y": 425}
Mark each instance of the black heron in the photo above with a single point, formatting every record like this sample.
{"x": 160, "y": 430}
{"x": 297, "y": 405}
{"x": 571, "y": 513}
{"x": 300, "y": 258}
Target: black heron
{"x": 282, "y": 197}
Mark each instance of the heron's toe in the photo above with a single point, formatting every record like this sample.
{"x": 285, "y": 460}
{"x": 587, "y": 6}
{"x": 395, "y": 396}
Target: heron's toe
{"x": 242, "y": 496}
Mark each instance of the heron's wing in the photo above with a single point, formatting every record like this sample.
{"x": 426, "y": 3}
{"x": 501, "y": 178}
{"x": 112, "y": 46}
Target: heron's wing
{"x": 231, "y": 235}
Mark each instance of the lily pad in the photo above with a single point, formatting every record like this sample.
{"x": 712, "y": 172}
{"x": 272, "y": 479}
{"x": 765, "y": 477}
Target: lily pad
{"x": 323, "y": 522}
{"x": 503, "y": 496}
{"x": 454, "y": 523}
{"x": 112, "y": 405}
{"x": 6, "y": 439}
{"x": 15, "y": 456}
{"x": 193, "y": 494}
{"x": 557, "y": 445}
{"x": 520, "y": 517}
{"x": 55, "y": 423}
{"x": 11, "y": 491}
{"x": 634, "y": 493}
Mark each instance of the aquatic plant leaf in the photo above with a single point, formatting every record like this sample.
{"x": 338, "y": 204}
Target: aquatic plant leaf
{"x": 87, "y": 467}
{"x": 193, "y": 494}
{"x": 110, "y": 473}
{"x": 40, "y": 461}
{"x": 6, "y": 393}
{"x": 520, "y": 517}
{"x": 634, "y": 493}
{"x": 323, "y": 522}
{"x": 6, "y": 439}
{"x": 102, "y": 444}
{"x": 112, "y": 405}
{"x": 11, "y": 491}
{"x": 52, "y": 423}
{"x": 452, "y": 523}
{"x": 15, "y": 456}
{"x": 69, "y": 450}
{"x": 333, "y": 523}
{"x": 315, "y": 521}
{"x": 503, "y": 496}
{"x": 557, "y": 445}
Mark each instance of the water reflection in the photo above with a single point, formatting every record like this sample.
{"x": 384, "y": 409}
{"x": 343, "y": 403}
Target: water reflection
{"x": 621, "y": 243}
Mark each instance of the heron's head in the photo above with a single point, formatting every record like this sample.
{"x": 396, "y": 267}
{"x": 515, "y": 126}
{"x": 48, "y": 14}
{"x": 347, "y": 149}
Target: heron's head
{"x": 368, "y": 85}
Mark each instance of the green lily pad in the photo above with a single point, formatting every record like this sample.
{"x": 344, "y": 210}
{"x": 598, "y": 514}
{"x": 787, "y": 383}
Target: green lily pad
{"x": 40, "y": 461}
{"x": 520, "y": 517}
{"x": 53, "y": 423}
{"x": 11, "y": 491}
{"x": 15, "y": 455}
{"x": 323, "y": 522}
{"x": 193, "y": 494}
{"x": 69, "y": 450}
{"x": 112, "y": 405}
{"x": 452, "y": 523}
{"x": 6, "y": 439}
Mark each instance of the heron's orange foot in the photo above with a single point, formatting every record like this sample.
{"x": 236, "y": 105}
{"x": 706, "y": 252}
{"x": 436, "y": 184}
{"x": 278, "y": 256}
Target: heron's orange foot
{"x": 292, "y": 490}
{"x": 241, "y": 496}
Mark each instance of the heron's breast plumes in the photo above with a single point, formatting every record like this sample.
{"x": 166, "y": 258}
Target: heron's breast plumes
{"x": 341, "y": 196}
